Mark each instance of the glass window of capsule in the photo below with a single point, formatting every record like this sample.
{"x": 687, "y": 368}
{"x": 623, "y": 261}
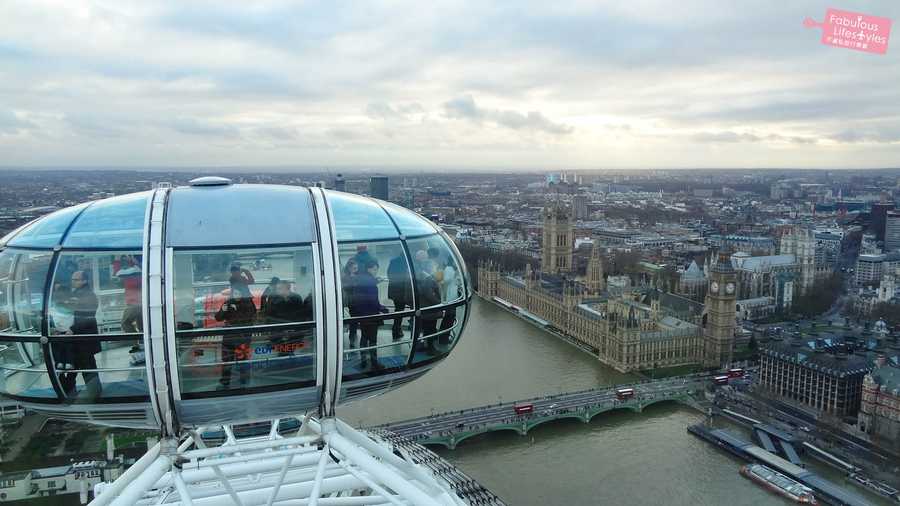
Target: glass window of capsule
{"x": 403, "y": 288}
{"x": 70, "y": 305}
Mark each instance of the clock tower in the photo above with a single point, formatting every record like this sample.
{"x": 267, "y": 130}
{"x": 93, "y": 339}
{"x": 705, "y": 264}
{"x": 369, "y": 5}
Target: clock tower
{"x": 718, "y": 320}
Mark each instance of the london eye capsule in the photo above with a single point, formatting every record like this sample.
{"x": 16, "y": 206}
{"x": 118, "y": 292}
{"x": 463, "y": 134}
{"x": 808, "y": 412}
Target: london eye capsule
{"x": 220, "y": 303}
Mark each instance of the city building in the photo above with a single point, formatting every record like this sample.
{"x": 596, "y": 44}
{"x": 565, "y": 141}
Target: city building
{"x": 879, "y": 218}
{"x": 580, "y": 206}
{"x": 68, "y": 478}
{"x": 800, "y": 241}
{"x": 718, "y": 318}
{"x": 766, "y": 276}
{"x": 340, "y": 184}
{"x": 594, "y": 278}
{"x": 628, "y": 328}
{"x": 823, "y": 374}
{"x": 755, "y": 309}
{"x": 759, "y": 245}
{"x": 879, "y": 413}
{"x": 692, "y": 282}
{"x": 828, "y": 253}
{"x": 378, "y": 187}
{"x": 892, "y": 231}
{"x": 558, "y": 239}
{"x": 869, "y": 268}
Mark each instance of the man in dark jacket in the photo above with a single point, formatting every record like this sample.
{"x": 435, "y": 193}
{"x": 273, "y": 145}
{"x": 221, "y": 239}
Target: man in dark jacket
{"x": 285, "y": 306}
{"x": 399, "y": 291}
{"x": 365, "y": 303}
{"x": 237, "y": 311}
{"x": 429, "y": 295}
{"x": 82, "y": 302}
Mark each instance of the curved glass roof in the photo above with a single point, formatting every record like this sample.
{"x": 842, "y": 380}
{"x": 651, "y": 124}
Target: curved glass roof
{"x": 359, "y": 218}
{"x": 48, "y": 231}
{"x": 117, "y": 222}
{"x": 239, "y": 215}
{"x": 408, "y": 222}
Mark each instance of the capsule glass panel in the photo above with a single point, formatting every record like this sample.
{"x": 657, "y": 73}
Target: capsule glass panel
{"x": 48, "y": 231}
{"x": 23, "y": 371}
{"x": 359, "y": 219}
{"x": 439, "y": 277}
{"x": 244, "y": 320}
{"x": 23, "y": 275}
{"x": 112, "y": 223}
{"x": 91, "y": 370}
{"x": 107, "y": 285}
{"x": 409, "y": 223}
{"x": 239, "y": 215}
{"x": 437, "y": 332}
{"x": 378, "y": 304}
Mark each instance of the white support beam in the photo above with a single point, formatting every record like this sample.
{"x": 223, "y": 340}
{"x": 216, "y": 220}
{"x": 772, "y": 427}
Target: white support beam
{"x": 330, "y": 465}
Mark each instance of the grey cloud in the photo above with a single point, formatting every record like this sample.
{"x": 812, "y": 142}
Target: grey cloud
{"x": 384, "y": 111}
{"x": 344, "y": 134}
{"x": 95, "y": 125}
{"x": 193, "y": 126}
{"x": 11, "y": 124}
{"x": 728, "y": 136}
{"x": 465, "y": 108}
{"x": 277, "y": 133}
{"x": 866, "y": 136}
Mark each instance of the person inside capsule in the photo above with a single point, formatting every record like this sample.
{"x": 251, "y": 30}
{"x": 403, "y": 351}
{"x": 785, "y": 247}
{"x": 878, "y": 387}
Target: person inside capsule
{"x": 76, "y": 314}
{"x": 429, "y": 295}
{"x": 238, "y": 310}
{"x": 366, "y": 303}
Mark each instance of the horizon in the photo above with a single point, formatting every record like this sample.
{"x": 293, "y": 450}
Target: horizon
{"x": 424, "y": 171}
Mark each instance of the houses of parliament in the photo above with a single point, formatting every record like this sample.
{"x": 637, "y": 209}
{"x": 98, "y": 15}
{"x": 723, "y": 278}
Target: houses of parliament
{"x": 629, "y": 329}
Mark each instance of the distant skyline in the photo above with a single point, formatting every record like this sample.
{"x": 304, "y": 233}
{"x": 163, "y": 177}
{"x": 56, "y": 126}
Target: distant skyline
{"x": 393, "y": 86}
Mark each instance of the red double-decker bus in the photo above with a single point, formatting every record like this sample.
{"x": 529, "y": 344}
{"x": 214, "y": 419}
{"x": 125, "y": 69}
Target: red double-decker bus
{"x": 625, "y": 393}
{"x": 735, "y": 373}
{"x": 522, "y": 409}
{"x": 721, "y": 380}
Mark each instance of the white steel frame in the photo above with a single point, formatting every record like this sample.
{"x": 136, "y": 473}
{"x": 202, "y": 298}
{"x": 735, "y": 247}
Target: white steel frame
{"x": 326, "y": 463}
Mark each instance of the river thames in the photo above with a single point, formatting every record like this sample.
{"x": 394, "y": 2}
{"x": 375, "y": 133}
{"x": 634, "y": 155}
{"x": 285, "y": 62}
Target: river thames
{"x": 620, "y": 458}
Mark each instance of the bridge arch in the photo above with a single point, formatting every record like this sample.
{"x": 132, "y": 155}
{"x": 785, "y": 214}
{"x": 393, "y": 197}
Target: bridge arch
{"x": 552, "y": 418}
{"x": 618, "y": 407}
{"x": 660, "y": 400}
{"x": 459, "y": 438}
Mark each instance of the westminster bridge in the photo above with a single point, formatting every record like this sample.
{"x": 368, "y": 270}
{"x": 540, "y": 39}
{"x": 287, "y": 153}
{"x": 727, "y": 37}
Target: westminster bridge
{"x": 451, "y": 428}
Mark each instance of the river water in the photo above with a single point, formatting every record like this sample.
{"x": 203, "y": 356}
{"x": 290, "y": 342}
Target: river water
{"x": 620, "y": 458}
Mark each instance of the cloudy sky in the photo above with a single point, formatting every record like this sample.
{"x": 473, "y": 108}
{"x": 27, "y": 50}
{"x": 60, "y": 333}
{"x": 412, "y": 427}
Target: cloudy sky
{"x": 584, "y": 84}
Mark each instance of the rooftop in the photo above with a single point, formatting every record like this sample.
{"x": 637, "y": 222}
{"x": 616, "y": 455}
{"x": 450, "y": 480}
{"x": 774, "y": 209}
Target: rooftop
{"x": 888, "y": 377}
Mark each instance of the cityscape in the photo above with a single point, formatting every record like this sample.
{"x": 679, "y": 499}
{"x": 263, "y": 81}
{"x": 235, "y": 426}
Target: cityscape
{"x": 453, "y": 253}
{"x": 760, "y": 302}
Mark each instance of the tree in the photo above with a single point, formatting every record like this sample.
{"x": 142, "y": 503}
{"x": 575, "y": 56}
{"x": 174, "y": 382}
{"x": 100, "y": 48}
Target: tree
{"x": 820, "y": 297}
{"x": 751, "y": 345}
{"x": 473, "y": 255}
{"x": 888, "y": 312}
{"x": 624, "y": 262}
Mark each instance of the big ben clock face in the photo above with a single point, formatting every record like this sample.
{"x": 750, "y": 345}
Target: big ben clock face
{"x": 714, "y": 287}
{"x": 729, "y": 288}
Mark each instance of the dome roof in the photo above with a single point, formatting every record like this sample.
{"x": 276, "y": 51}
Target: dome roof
{"x": 222, "y": 303}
